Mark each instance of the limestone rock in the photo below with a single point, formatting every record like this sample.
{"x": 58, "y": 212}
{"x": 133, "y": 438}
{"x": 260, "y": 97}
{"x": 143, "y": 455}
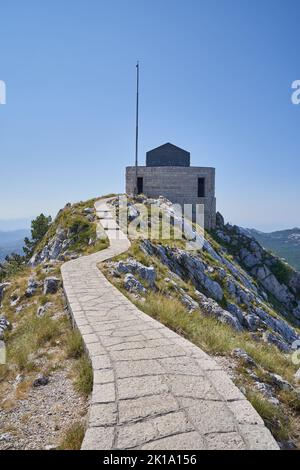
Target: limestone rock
{"x": 279, "y": 382}
{"x": 133, "y": 285}
{"x": 186, "y": 265}
{"x": 15, "y": 299}
{"x": 51, "y": 285}
{"x": 32, "y": 286}
{"x": 189, "y": 303}
{"x": 132, "y": 266}
{"x": 266, "y": 390}
{"x": 132, "y": 212}
{"x": 225, "y": 238}
{"x": 210, "y": 307}
{"x": 88, "y": 210}
{"x": 219, "y": 220}
{"x": 40, "y": 381}
{"x": 294, "y": 283}
{"x": 241, "y": 354}
{"x": 271, "y": 338}
{"x": 5, "y": 437}
{"x": 54, "y": 249}
{"x": 271, "y": 284}
{"x": 247, "y": 290}
{"x": 3, "y": 286}
{"x": 251, "y": 321}
{"x": 42, "y": 309}
{"x": 236, "y": 311}
{"x": 278, "y": 326}
{"x": 4, "y": 325}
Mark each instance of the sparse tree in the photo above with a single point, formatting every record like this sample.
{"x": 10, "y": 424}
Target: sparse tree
{"x": 39, "y": 228}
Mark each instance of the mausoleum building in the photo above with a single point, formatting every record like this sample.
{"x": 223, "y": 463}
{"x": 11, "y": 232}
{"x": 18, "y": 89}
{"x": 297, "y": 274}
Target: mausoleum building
{"x": 168, "y": 173}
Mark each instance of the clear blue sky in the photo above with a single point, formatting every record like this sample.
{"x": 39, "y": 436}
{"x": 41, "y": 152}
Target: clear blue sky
{"x": 215, "y": 79}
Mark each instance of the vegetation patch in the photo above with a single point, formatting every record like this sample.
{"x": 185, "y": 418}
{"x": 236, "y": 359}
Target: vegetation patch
{"x": 84, "y": 376}
{"x": 73, "y": 437}
{"x": 44, "y": 344}
{"x": 273, "y": 416}
{"x": 282, "y": 271}
{"x": 74, "y": 344}
{"x": 164, "y": 303}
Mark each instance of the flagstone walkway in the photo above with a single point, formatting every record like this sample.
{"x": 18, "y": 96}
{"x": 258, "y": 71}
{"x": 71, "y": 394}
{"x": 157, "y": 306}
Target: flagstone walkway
{"x": 152, "y": 388}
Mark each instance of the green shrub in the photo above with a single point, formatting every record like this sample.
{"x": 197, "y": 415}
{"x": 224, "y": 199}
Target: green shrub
{"x": 74, "y": 345}
{"x": 32, "y": 334}
{"x": 83, "y": 376}
{"x": 282, "y": 271}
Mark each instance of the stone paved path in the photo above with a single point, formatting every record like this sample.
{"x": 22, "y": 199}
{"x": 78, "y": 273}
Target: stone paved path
{"x": 152, "y": 388}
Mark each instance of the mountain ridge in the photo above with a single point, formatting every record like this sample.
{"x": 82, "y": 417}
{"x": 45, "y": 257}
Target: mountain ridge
{"x": 284, "y": 243}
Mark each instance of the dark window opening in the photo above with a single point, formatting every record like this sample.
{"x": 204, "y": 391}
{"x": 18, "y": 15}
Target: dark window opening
{"x": 201, "y": 187}
{"x": 140, "y": 184}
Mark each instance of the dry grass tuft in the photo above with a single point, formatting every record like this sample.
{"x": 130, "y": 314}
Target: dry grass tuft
{"x": 83, "y": 376}
{"x": 73, "y": 437}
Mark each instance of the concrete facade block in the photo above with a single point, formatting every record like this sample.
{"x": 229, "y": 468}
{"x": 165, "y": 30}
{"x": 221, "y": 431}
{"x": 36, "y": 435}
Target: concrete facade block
{"x": 179, "y": 184}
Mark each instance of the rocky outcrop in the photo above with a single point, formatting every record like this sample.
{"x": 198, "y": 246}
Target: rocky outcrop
{"x": 42, "y": 309}
{"x": 132, "y": 266}
{"x": 210, "y": 307}
{"x": 273, "y": 275}
{"x": 234, "y": 278}
{"x": 51, "y": 285}
{"x": 54, "y": 249}
{"x": 32, "y": 286}
{"x": 244, "y": 357}
{"x": 4, "y": 325}
{"x": 133, "y": 285}
{"x": 186, "y": 266}
{"x": 220, "y": 292}
{"x": 3, "y": 286}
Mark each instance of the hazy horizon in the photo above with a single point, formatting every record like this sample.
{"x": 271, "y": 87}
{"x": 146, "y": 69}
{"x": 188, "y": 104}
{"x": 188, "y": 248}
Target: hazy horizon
{"x": 9, "y": 225}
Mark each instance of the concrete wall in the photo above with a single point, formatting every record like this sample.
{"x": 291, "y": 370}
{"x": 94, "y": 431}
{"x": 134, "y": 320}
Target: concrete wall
{"x": 179, "y": 185}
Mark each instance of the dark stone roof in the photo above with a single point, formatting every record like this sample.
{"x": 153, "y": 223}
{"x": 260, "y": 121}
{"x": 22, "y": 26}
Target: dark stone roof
{"x": 168, "y": 155}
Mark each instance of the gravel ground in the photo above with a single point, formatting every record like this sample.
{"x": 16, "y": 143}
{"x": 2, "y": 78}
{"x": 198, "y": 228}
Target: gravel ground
{"x": 40, "y": 420}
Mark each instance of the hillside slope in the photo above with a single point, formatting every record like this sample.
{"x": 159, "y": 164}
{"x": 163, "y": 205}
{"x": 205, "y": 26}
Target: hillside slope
{"x": 284, "y": 243}
{"x": 47, "y": 378}
{"x": 231, "y": 298}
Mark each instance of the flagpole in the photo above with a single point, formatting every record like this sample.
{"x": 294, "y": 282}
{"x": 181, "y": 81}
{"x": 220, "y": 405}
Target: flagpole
{"x": 137, "y": 125}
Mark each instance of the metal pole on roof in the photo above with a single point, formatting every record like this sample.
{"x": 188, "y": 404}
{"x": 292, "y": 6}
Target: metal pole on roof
{"x": 137, "y": 125}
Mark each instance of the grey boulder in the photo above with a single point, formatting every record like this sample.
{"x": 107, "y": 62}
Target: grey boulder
{"x": 40, "y": 381}
{"x": 32, "y": 286}
{"x": 51, "y": 285}
{"x": 133, "y": 285}
{"x": 4, "y": 325}
{"x": 132, "y": 266}
{"x": 2, "y": 289}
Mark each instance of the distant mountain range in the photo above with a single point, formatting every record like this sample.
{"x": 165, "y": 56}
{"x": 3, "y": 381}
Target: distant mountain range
{"x": 284, "y": 243}
{"x": 12, "y": 242}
